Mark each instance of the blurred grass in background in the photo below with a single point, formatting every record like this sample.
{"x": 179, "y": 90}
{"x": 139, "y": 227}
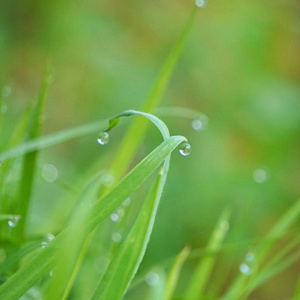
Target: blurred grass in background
{"x": 240, "y": 67}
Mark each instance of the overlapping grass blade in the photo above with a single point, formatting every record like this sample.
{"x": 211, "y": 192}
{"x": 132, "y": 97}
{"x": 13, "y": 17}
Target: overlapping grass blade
{"x": 12, "y": 259}
{"x": 67, "y": 255}
{"x": 278, "y": 231}
{"x": 272, "y": 268}
{"x": 14, "y": 140}
{"x": 138, "y": 129}
{"x": 35, "y": 269}
{"x": 29, "y": 162}
{"x": 204, "y": 269}
{"x": 130, "y": 254}
{"x": 174, "y": 273}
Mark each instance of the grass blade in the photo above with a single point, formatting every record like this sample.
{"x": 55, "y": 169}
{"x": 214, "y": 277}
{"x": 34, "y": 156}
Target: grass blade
{"x": 35, "y": 269}
{"x": 277, "y": 232}
{"x": 271, "y": 269}
{"x": 67, "y": 255}
{"x": 137, "y": 130}
{"x": 130, "y": 254}
{"x": 29, "y": 163}
{"x": 53, "y": 139}
{"x": 173, "y": 276}
{"x": 205, "y": 266}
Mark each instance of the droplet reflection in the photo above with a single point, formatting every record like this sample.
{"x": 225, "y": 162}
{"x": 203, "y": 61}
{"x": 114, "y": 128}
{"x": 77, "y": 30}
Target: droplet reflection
{"x": 103, "y": 138}
{"x": 200, "y": 3}
{"x": 185, "y": 149}
{"x": 12, "y": 222}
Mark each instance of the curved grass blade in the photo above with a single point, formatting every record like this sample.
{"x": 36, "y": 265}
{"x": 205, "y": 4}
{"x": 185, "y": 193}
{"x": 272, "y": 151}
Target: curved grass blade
{"x": 112, "y": 123}
{"x": 205, "y": 266}
{"x": 35, "y": 269}
{"x": 173, "y": 276}
{"x": 137, "y": 130}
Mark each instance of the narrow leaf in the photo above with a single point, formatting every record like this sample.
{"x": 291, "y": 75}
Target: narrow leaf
{"x": 130, "y": 254}
{"x": 34, "y": 270}
{"x": 206, "y": 264}
{"x": 173, "y": 276}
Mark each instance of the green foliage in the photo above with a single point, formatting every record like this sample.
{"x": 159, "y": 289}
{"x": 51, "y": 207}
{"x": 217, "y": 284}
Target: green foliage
{"x": 103, "y": 247}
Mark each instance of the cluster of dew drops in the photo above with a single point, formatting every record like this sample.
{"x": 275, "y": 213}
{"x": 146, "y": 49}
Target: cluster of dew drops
{"x": 197, "y": 124}
{"x": 103, "y": 139}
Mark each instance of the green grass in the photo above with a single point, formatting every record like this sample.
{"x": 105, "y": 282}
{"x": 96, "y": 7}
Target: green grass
{"x": 59, "y": 267}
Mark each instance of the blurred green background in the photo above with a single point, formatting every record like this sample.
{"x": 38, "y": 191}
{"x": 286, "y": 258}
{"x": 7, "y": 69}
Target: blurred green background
{"x": 240, "y": 67}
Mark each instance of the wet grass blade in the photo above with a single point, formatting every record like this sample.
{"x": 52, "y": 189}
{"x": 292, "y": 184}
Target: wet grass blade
{"x": 204, "y": 269}
{"x": 173, "y": 276}
{"x": 112, "y": 123}
{"x": 53, "y": 139}
{"x": 129, "y": 255}
{"x": 137, "y": 130}
{"x": 35, "y": 269}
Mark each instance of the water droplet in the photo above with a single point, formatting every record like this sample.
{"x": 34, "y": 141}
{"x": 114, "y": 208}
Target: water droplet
{"x": 12, "y": 222}
{"x": 48, "y": 238}
{"x": 126, "y": 202}
{"x": 249, "y": 257}
{"x": 51, "y": 273}
{"x": 116, "y": 237}
{"x": 152, "y": 278}
{"x": 2, "y": 255}
{"x": 245, "y": 269}
{"x": 200, "y": 3}
{"x": 185, "y": 149}
{"x": 44, "y": 244}
{"x": 107, "y": 179}
{"x": 6, "y": 91}
{"x": 224, "y": 225}
{"x": 260, "y": 175}
{"x": 199, "y": 123}
{"x": 49, "y": 172}
{"x": 103, "y": 138}
{"x": 115, "y": 217}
